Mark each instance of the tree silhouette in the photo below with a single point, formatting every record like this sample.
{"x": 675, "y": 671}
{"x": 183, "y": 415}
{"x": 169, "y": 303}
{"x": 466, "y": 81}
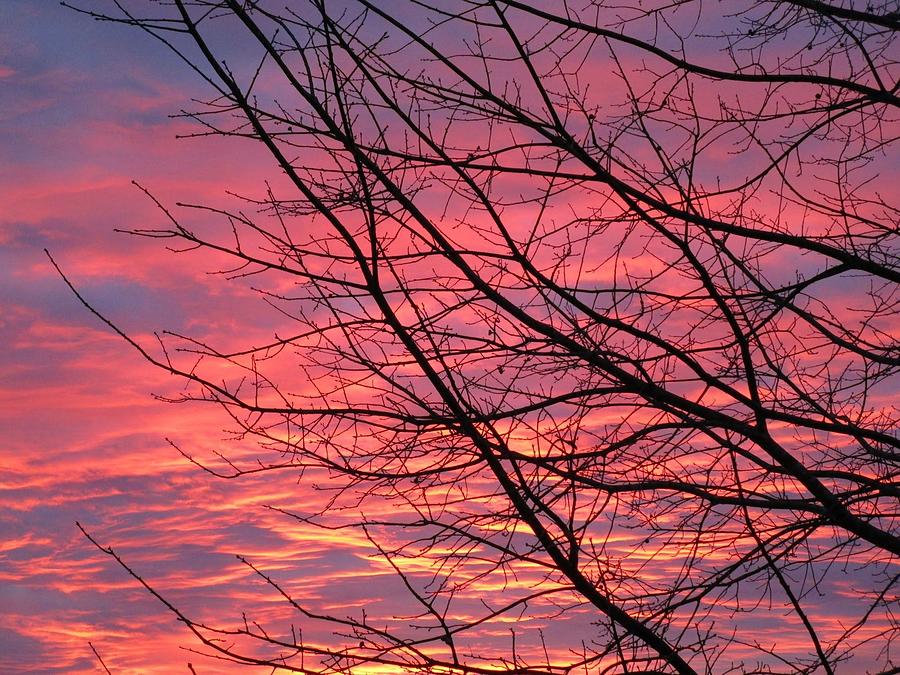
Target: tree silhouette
{"x": 598, "y": 295}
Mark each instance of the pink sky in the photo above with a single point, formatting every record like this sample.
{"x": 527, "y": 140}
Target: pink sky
{"x": 84, "y": 111}
{"x": 82, "y": 115}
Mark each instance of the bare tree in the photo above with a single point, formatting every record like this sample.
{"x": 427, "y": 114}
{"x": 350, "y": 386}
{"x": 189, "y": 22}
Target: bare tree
{"x": 602, "y": 295}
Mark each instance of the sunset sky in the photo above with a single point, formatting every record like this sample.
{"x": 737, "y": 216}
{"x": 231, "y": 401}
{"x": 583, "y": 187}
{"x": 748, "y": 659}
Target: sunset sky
{"x": 85, "y": 110}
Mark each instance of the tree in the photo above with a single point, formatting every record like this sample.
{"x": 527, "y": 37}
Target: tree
{"x": 598, "y": 295}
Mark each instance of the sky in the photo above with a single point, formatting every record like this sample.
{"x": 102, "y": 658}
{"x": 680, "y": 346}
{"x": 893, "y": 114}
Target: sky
{"x": 85, "y": 110}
